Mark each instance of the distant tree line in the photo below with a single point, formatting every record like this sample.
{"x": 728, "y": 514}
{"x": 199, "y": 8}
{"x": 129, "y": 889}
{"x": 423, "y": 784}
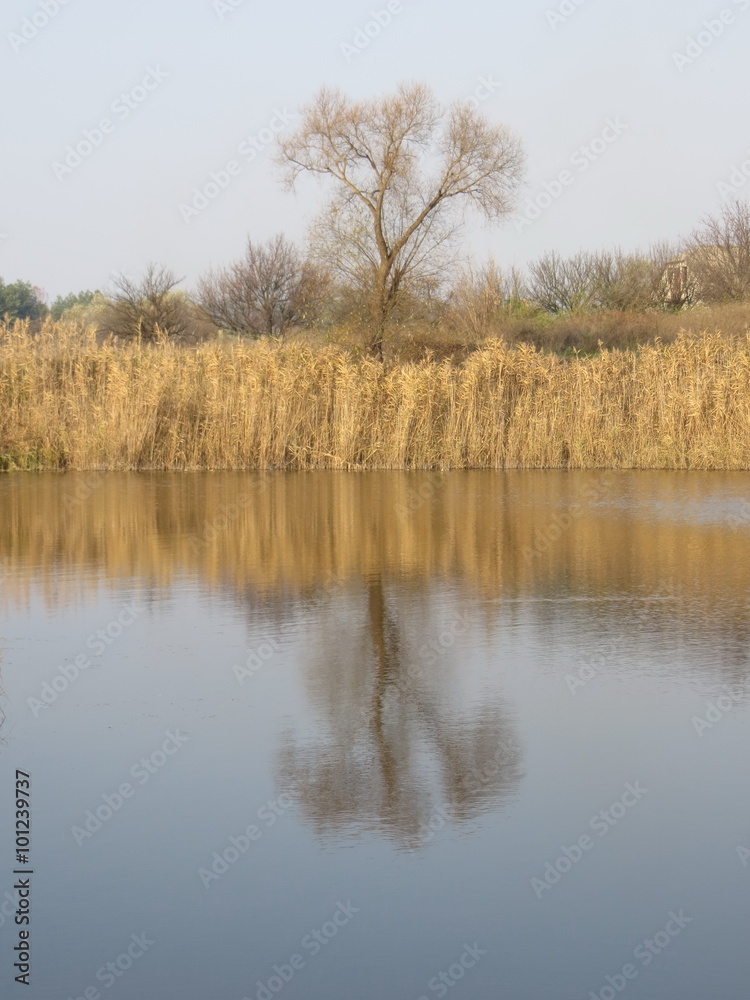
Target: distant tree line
{"x": 273, "y": 289}
{"x": 22, "y": 300}
{"x": 384, "y": 251}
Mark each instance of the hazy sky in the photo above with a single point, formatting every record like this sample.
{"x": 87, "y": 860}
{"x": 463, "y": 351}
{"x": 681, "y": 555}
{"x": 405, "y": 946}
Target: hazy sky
{"x": 187, "y": 85}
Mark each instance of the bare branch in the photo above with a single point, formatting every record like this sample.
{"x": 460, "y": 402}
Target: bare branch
{"x": 392, "y": 222}
{"x": 265, "y": 293}
{"x": 149, "y": 307}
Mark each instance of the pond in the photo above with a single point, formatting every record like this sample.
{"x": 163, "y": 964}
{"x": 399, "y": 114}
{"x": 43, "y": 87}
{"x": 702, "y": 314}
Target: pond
{"x": 377, "y": 736}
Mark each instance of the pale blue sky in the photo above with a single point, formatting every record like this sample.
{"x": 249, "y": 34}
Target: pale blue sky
{"x": 229, "y": 72}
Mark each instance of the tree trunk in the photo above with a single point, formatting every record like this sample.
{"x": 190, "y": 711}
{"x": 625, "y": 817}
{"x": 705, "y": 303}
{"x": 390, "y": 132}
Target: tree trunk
{"x": 376, "y": 343}
{"x": 380, "y": 312}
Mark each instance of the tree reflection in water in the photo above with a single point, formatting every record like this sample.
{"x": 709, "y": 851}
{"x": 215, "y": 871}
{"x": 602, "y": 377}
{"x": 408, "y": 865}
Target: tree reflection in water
{"x": 662, "y": 558}
{"x": 398, "y": 756}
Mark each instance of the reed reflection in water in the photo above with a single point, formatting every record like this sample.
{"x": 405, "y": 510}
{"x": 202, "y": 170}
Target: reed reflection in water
{"x": 395, "y": 742}
{"x": 415, "y": 705}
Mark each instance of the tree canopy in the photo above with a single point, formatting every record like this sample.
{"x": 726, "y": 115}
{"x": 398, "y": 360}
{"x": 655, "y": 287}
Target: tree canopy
{"x": 405, "y": 169}
{"x": 21, "y": 300}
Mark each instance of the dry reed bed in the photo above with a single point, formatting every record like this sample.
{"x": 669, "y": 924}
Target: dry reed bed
{"x": 68, "y": 402}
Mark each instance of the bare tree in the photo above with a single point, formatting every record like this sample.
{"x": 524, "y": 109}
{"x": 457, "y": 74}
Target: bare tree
{"x": 605, "y": 279}
{"x": 482, "y": 296}
{"x": 266, "y": 292}
{"x": 627, "y": 281}
{"x": 147, "y": 307}
{"x": 404, "y": 168}
{"x": 717, "y": 254}
{"x": 559, "y": 284}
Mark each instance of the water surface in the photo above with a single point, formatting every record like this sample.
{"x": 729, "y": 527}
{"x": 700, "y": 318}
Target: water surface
{"x": 378, "y": 728}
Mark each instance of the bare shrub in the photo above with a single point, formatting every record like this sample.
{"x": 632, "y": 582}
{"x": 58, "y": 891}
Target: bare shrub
{"x": 605, "y": 279}
{"x": 148, "y": 308}
{"x": 483, "y": 297}
{"x": 563, "y": 284}
{"x": 717, "y": 254}
{"x": 265, "y": 293}
{"x": 625, "y": 282}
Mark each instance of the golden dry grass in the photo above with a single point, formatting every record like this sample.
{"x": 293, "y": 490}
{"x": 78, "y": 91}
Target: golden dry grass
{"x": 71, "y": 403}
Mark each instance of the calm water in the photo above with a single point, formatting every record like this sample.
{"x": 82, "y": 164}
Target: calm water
{"x": 378, "y": 736}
